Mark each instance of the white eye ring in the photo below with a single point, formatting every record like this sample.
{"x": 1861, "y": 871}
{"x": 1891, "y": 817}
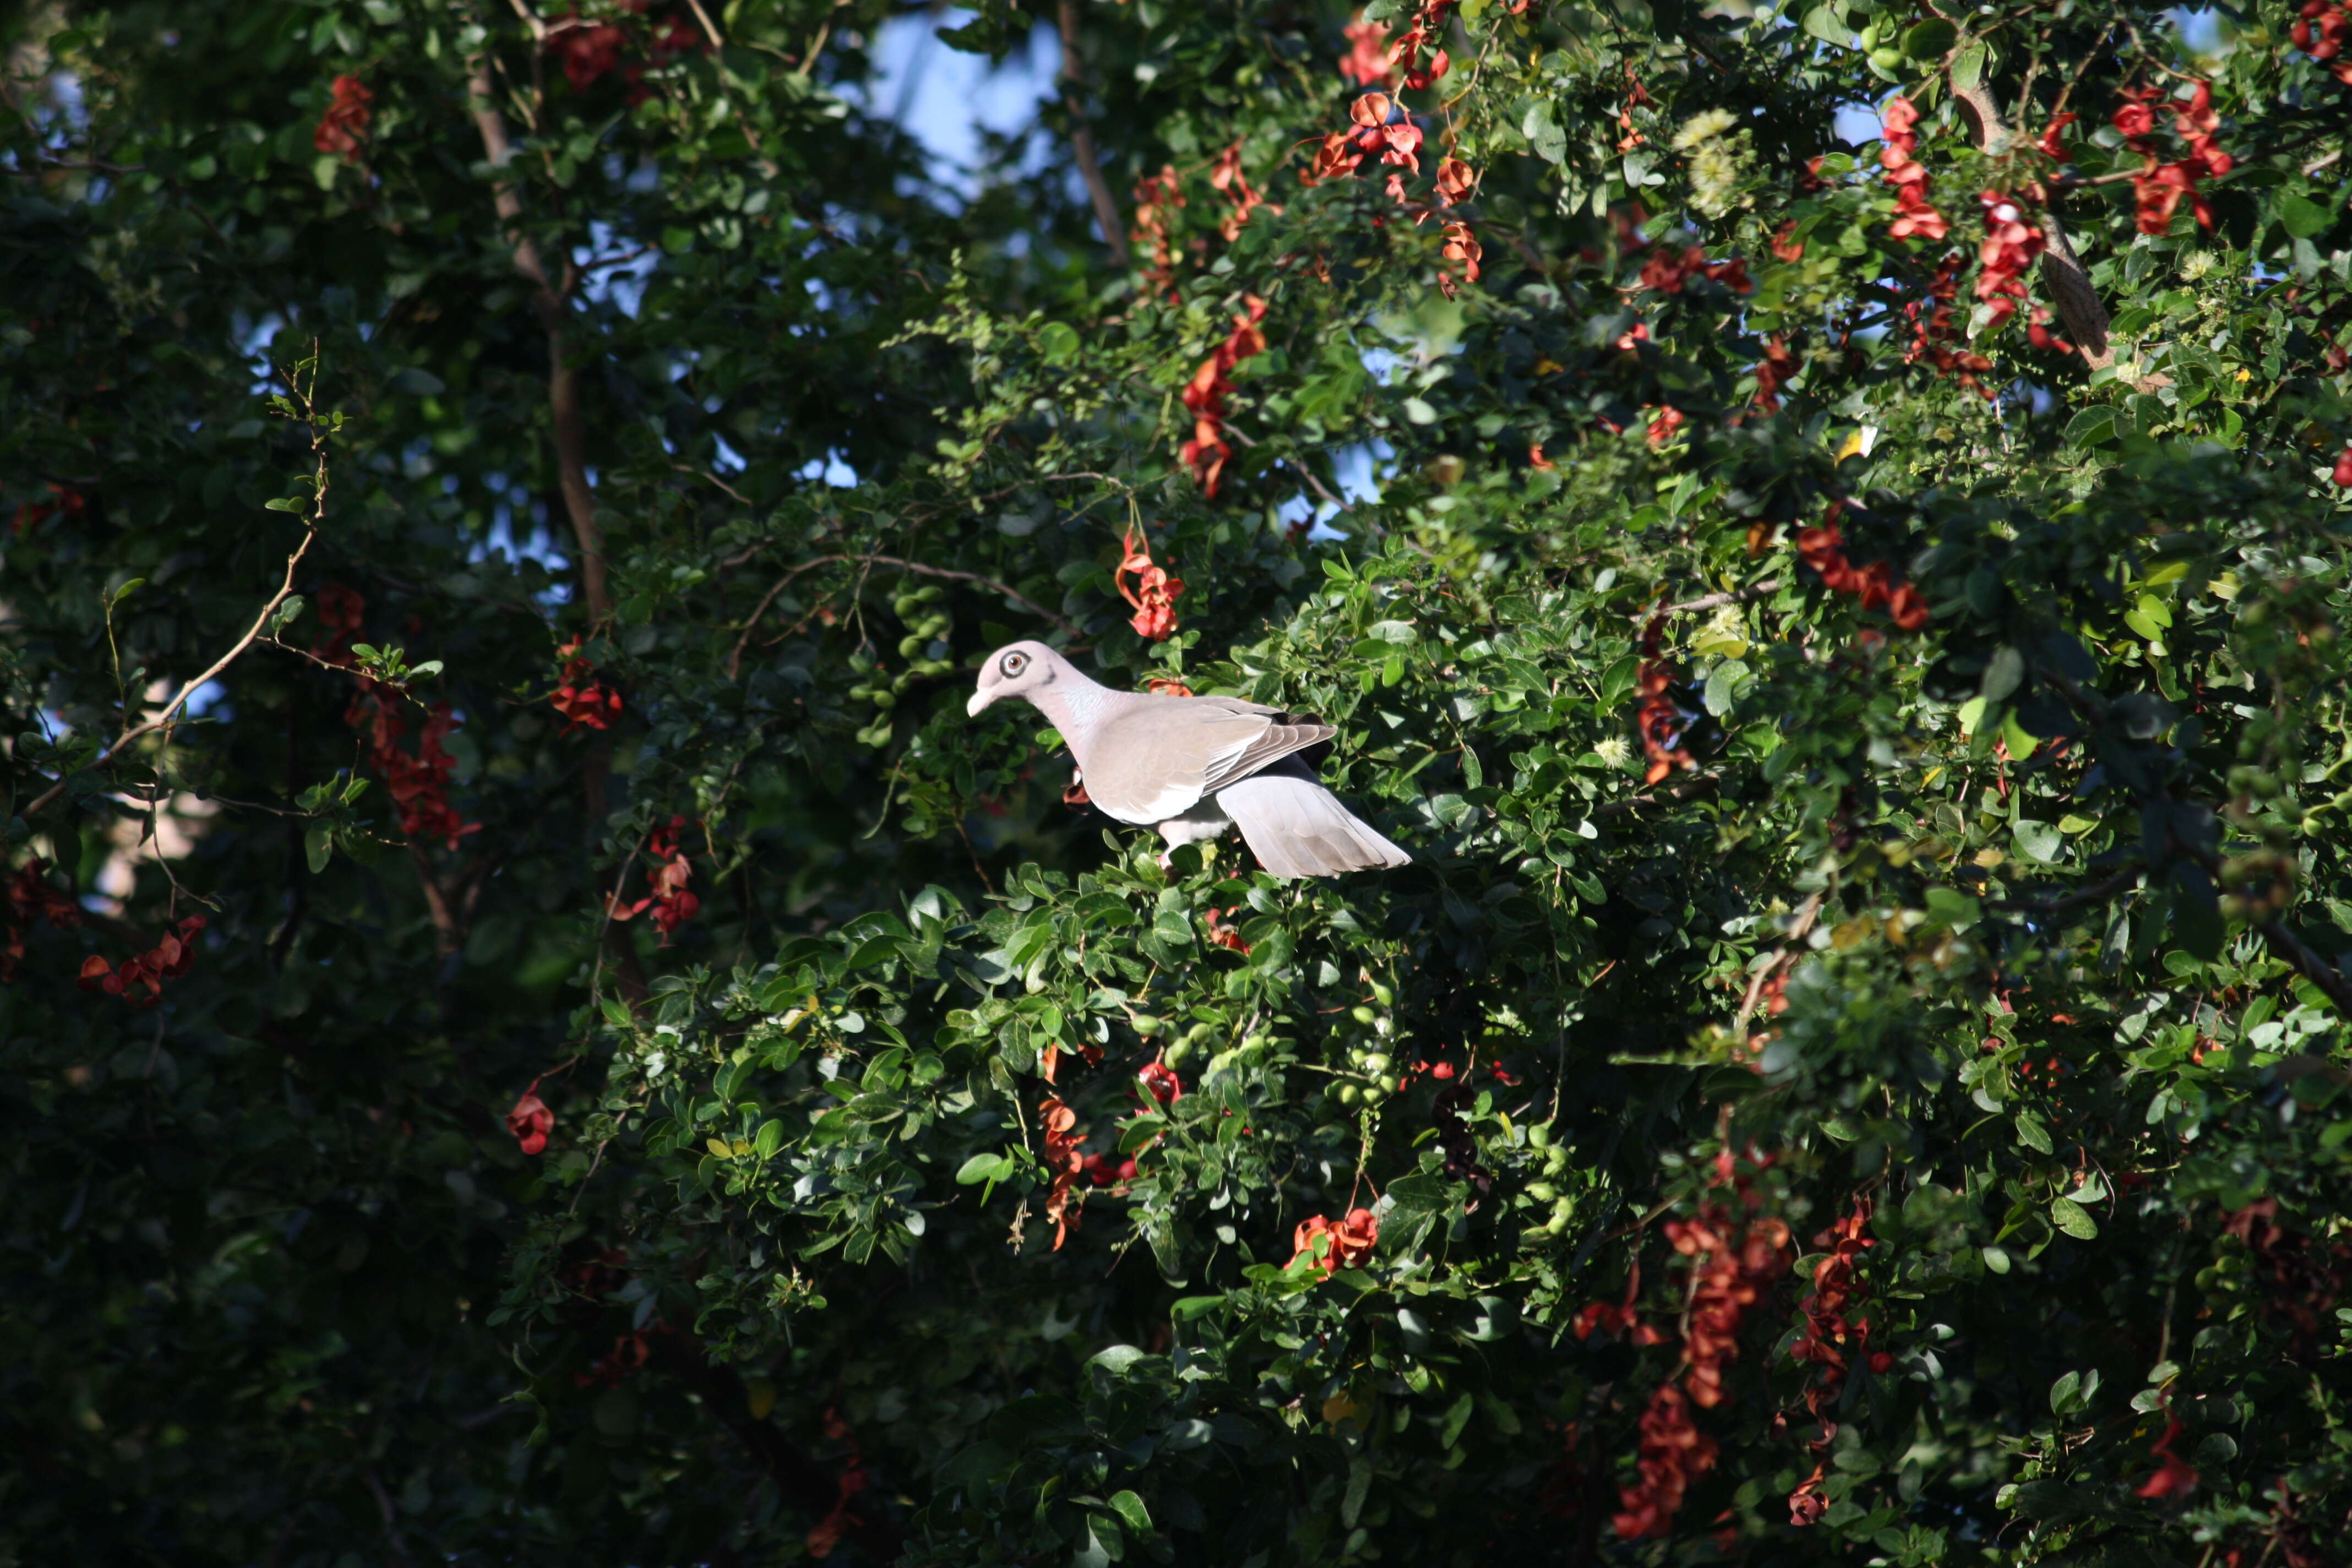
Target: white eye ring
{"x": 1014, "y": 663}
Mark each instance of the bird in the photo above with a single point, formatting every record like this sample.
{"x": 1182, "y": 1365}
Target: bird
{"x": 1193, "y": 766}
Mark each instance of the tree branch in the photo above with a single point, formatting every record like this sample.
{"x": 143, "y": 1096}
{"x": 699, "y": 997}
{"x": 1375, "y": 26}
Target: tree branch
{"x": 547, "y": 300}
{"x": 1082, "y": 141}
{"x": 735, "y": 655}
{"x": 132, "y": 732}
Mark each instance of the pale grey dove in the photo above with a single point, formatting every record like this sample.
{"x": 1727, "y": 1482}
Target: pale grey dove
{"x": 1193, "y": 766}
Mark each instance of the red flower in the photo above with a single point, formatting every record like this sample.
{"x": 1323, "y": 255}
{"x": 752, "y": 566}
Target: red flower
{"x": 1155, "y": 593}
{"x": 584, "y": 701}
{"x": 168, "y": 959}
{"x": 670, "y": 901}
{"x": 1223, "y": 933}
{"x": 1160, "y": 1081}
{"x": 2326, "y": 42}
{"x": 1154, "y": 195}
{"x": 1662, "y": 427}
{"x": 1786, "y": 246}
{"x": 1063, "y": 1161}
{"x": 344, "y": 127}
{"x": 1455, "y": 180}
{"x": 1660, "y": 722}
{"x": 1226, "y": 175}
{"x": 1462, "y": 247}
{"x": 585, "y": 50}
{"x": 30, "y": 897}
{"x": 1367, "y": 61}
{"x": 1207, "y": 453}
{"x": 2048, "y": 142}
{"x": 1349, "y": 1240}
{"x": 1914, "y": 213}
{"x": 1774, "y": 372}
{"x": 2343, "y": 474}
{"x": 530, "y": 1120}
{"x": 2174, "y": 1476}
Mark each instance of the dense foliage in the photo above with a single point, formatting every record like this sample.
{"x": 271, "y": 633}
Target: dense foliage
{"x": 536, "y": 1029}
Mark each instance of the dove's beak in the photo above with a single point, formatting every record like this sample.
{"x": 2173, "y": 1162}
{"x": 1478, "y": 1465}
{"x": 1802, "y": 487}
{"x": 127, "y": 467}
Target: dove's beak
{"x": 980, "y": 700}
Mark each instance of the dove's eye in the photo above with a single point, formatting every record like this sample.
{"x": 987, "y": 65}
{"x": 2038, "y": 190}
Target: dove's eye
{"x": 1012, "y": 664}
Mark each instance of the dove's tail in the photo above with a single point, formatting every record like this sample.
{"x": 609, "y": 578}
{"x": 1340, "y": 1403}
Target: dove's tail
{"x": 1296, "y": 828}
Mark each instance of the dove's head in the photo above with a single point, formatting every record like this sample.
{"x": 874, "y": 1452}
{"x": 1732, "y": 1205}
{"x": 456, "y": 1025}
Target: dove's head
{"x": 1024, "y": 669}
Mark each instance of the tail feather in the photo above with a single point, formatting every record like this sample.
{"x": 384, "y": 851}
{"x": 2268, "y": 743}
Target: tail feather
{"x": 1296, "y": 828}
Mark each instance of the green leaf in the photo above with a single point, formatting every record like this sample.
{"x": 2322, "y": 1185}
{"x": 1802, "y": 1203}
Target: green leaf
{"x": 2032, "y": 1133}
{"x": 1130, "y": 1507}
{"x": 2037, "y": 840}
{"x": 2073, "y": 1218}
{"x": 1828, "y": 24}
{"x": 985, "y": 1166}
{"x": 2093, "y": 426}
{"x": 2304, "y": 218}
{"x": 1931, "y": 39}
{"x": 318, "y": 848}
{"x": 287, "y": 503}
{"x": 770, "y": 1138}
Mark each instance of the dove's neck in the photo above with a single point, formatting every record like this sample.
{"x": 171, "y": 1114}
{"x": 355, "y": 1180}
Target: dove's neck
{"x": 1077, "y": 708}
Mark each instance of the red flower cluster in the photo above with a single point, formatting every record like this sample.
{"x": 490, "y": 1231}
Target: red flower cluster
{"x": 531, "y": 1121}
{"x": 69, "y": 503}
{"x": 2011, "y": 245}
{"x": 1824, "y": 1338}
{"x": 1823, "y": 549}
{"x": 1350, "y": 1241}
{"x": 167, "y": 960}
{"x": 1366, "y": 62}
{"x": 827, "y": 1532}
{"x": 1154, "y": 194}
{"x": 1160, "y": 1082}
{"x": 670, "y": 901}
{"x": 1405, "y": 53}
{"x": 32, "y": 898}
{"x": 1935, "y": 335}
{"x": 1774, "y": 371}
{"x": 1167, "y": 686}
{"x": 1343, "y": 152}
{"x": 1667, "y": 270}
{"x": 1636, "y": 97}
{"x": 1461, "y": 246}
{"x": 2158, "y": 187}
{"x": 2050, "y": 144}
{"x": 2326, "y": 42}
{"x": 1735, "y": 1267}
{"x": 1226, "y": 175}
{"x": 589, "y": 50}
{"x": 1674, "y": 1453}
{"x": 419, "y": 785}
{"x": 1207, "y": 453}
{"x": 1154, "y": 593}
{"x": 1616, "y": 1318}
{"x": 2343, "y": 472}
{"x": 1914, "y": 213}
{"x": 1064, "y": 1160}
{"x": 1734, "y": 1264}
{"x": 342, "y": 129}
{"x": 2174, "y": 1475}
{"x": 582, "y": 700}
{"x": 1786, "y": 246}
{"x": 1108, "y": 1169}
{"x": 1223, "y": 933}
{"x": 1660, "y": 722}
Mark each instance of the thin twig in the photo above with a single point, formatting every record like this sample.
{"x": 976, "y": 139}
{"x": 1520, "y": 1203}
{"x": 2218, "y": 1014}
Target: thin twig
{"x": 252, "y": 632}
{"x": 735, "y": 656}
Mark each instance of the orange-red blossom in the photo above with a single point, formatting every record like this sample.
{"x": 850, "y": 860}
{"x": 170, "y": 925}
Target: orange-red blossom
{"x": 1350, "y": 1239}
{"x": 1207, "y": 453}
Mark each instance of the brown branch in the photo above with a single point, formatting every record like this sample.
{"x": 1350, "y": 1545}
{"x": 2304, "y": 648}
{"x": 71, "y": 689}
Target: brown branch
{"x": 1082, "y": 143}
{"x": 1681, "y": 792}
{"x": 252, "y": 634}
{"x": 1764, "y": 589}
{"x": 2061, "y": 270}
{"x": 735, "y": 655}
{"x": 548, "y": 299}
{"x": 1799, "y": 928}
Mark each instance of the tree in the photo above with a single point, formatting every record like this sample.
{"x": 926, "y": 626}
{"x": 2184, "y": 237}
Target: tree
{"x": 537, "y": 1029}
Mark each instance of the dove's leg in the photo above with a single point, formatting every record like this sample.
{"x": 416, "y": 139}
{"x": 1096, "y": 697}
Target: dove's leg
{"x": 1296, "y": 828}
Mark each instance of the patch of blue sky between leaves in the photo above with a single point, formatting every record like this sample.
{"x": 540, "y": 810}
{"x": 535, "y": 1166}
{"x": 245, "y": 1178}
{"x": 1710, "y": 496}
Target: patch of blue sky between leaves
{"x": 949, "y": 100}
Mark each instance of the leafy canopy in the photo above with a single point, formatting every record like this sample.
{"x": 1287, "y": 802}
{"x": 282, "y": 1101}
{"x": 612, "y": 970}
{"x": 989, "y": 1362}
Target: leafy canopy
{"x": 569, "y": 1045}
